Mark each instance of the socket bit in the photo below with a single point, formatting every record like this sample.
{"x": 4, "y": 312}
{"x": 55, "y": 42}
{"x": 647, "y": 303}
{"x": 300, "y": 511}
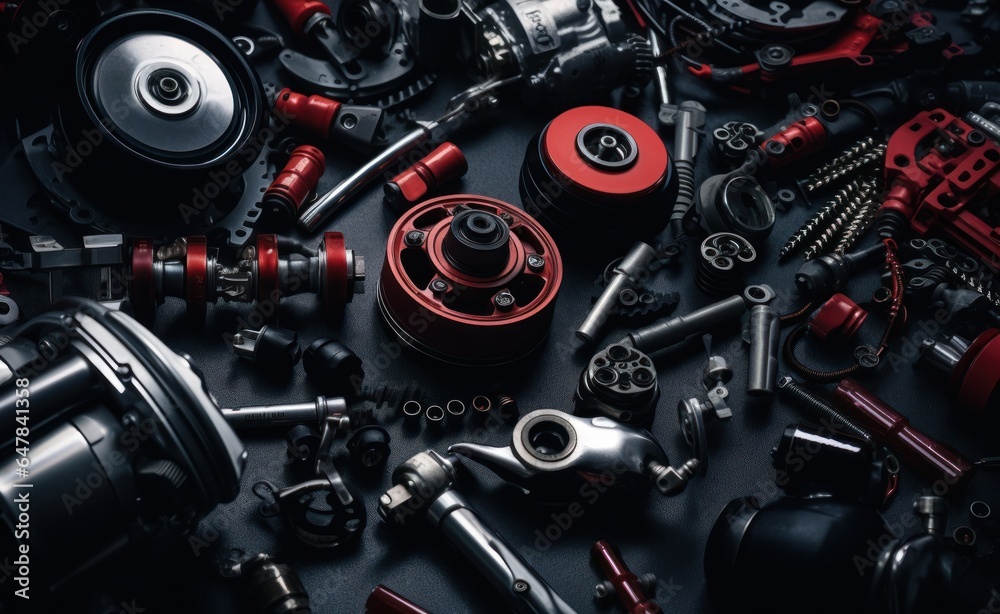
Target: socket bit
{"x": 270, "y": 416}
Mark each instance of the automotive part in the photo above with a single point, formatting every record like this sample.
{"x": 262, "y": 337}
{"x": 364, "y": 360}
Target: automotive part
{"x": 560, "y": 50}
{"x": 334, "y": 367}
{"x": 621, "y": 581}
{"x": 322, "y": 512}
{"x": 838, "y": 319}
{"x": 189, "y": 269}
{"x": 96, "y": 381}
{"x": 356, "y": 126}
{"x": 628, "y": 274}
{"x": 735, "y": 203}
{"x": 270, "y": 416}
{"x": 366, "y": 53}
{"x": 693, "y": 414}
{"x": 413, "y": 185}
{"x": 271, "y": 587}
{"x": 483, "y": 274}
{"x": 764, "y": 337}
{"x": 155, "y": 98}
{"x": 969, "y": 368}
{"x": 272, "y": 349}
{"x": 424, "y": 486}
{"x": 598, "y": 166}
{"x": 384, "y": 601}
{"x": 723, "y": 258}
{"x": 620, "y": 383}
{"x": 294, "y": 184}
{"x": 552, "y": 453}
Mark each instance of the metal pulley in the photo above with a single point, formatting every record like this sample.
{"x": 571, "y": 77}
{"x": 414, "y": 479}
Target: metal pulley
{"x": 469, "y": 280}
{"x": 598, "y": 167}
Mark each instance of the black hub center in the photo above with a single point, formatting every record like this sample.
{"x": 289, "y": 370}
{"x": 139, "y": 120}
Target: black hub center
{"x": 477, "y": 243}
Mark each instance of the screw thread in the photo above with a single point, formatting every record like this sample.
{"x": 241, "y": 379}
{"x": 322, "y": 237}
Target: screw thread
{"x": 817, "y": 408}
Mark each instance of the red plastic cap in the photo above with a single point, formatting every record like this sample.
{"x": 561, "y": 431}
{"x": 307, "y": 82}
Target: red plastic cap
{"x": 312, "y": 113}
{"x": 298, "y": 179}
{"x": 429, "y": 173}
{"x": 298, "y": 12}
{"x": 838, "y": 319}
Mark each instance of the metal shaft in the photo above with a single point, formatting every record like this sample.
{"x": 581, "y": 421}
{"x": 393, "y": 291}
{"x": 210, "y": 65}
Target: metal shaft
{"x": 522, "y": 588}
{"x": 269, "y": 416}
{"x": 627, "y": 274}
{"x": 984, "y": 124}
{"x": 765, "y": 337}
{"x": 332, "y": 201}
{"x": 665, "y": 333}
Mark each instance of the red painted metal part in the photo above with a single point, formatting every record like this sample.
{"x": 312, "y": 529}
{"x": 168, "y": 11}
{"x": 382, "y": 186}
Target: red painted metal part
{"x": 196, "y": 277}
{"x": 617, "y": 188}
{"x": 384, "y": 601}
{"x": 411, "y": 186}
{"x": 462, "y": 325}
{"x": 839, "y": 318}
{"x": 933, "y": 459}
{"x": 142, "y": 292}
{"x": 313, "y": 113}
{"x": 627, "y": 586}
{"x": 852, "y": 48}
{"x": 976, "y": 378}
{"x": 267, "y": 269}
{"x": 335, "y": 292}
{"x": 939, "y": 190}
{"x": 298, "y": 12}
{"x": 298, "y": 179}
{"x": 802, "y": 138}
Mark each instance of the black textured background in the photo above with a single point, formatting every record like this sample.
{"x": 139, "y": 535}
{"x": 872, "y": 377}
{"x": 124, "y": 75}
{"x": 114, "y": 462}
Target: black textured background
{"x": 662, "y": 536}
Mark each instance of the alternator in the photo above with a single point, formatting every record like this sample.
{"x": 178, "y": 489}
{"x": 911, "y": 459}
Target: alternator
{"x": 565, "y": 50}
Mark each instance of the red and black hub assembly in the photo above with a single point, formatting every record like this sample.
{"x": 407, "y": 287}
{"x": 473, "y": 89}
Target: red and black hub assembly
{"x": 972, "y": 370}
{"x": 600, "y": 167}
{"x": 469, "y": 280}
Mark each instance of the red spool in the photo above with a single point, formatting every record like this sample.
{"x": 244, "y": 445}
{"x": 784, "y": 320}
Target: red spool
{"x": 196, "y": 277}
{"x": 976, "y": 378}
{"x": 487, "y": 304}
{"x": 335, "y": 292}
{"x": 296, "y": 181}
{"x": 142, "y": 290}
{"x": 313, "y": 113}
{"x": 267, "y": 269}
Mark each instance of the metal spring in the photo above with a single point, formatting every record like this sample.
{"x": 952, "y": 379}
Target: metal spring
{"x": 858, "y": 226}
{"x": 868, "y": 162}
{"x": 818, "y": 219}
{"x": 837, "y": 224}
{"x": 974, "y": 283}
{"x": 848, "y": 155}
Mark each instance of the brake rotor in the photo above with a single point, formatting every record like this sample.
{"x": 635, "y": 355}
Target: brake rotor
{"x": 598, "y": 167}
{"x": 469, "y": 280}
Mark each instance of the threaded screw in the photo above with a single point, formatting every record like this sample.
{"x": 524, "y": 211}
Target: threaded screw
{"x": 821, "y": 217}
{"x": 817, "y": 408}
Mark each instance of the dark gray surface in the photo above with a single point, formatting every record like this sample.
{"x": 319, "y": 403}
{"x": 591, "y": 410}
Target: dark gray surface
{"x": 662, "y": 536}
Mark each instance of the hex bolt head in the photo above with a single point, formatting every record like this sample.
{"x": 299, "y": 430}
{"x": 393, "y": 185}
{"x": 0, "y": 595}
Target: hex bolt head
{"x": 504, "y": 300}
{"x": 536, "y": 263}
{"x": 439, "y": 286}
{"x": 414, "y": 238}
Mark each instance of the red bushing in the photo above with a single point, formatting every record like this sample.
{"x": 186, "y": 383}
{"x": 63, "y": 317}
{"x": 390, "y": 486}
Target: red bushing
{"x": 313, "y": 113}
{"x": 336, "y": 288}
{"x": 142, "y": 288}
{"x": 298, "y": 12}
{"x": 384, "y": 601}
{"x": 430, "y": 172}
{"x": 839, "y": 318}
{"x": 267, "y": 269}
{"x": 469, "y": 280}
{"x": 196, "y": 277}
{"x": 975, "y": 382}
{"x": 795, "y": 142}
{"x": 292, "y": 186}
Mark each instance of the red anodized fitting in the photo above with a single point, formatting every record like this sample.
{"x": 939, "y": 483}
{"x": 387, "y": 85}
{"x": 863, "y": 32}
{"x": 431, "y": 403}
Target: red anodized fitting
{"x": 384, "y": 601}
{"x": 435, "y": 169}
{"x": 975, "y": 382}
{"x": 804, "y": 137}
{"x": 469, "y": 280}
{"x": 142, "y": 291}
{"x": 268, "y": 285}
{"x": 313, "y": 113}
{"x": 196, "y": 277}
{"x": 295, "y": 182}
{"x": 839, "y": 318}
{"x": 335, "y": 289}
{"x": 627, "y": 586}
{"x": 298, "y": 12}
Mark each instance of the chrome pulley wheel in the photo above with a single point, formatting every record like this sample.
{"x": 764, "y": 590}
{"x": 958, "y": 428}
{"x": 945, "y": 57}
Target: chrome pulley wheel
{"x": 167, "y": 90}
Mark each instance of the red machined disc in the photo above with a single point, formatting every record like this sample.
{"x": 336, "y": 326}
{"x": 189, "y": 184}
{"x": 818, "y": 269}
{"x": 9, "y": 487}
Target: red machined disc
{"x": 978, "y": 373}
{"x": 335, "y": 282}
{"x": 196, "y": 277}
{"x": 267, "y": 269}
{"x": 562, "y": 156}
{"x": 463, "y": 325}
{"x": 142, "y": 290}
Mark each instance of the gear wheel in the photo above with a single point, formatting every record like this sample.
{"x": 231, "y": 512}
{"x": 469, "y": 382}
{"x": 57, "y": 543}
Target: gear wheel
{"x": 642, "y": 70}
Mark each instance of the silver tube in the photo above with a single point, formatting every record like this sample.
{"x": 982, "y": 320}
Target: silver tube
{"x": 269, "y": 416}
{"x": 627, "y": 274}
{"x": 765, "y": 337}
